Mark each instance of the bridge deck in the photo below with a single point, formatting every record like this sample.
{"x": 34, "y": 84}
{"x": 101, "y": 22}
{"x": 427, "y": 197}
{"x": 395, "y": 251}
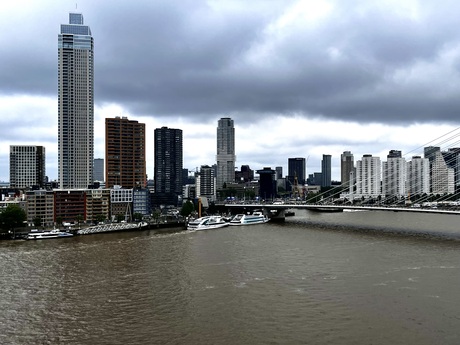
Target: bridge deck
{"x": 329, "y": 208}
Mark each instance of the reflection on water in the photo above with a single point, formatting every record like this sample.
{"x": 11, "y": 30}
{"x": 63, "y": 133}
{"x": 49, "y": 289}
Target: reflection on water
{"x": 320, "y": 278}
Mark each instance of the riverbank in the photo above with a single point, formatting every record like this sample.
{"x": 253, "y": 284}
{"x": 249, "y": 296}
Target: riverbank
{"x": 21, "y": 234}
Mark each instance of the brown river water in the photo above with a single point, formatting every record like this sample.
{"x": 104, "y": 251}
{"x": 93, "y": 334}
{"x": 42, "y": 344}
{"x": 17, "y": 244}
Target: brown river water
{"x": 318, "y": 278}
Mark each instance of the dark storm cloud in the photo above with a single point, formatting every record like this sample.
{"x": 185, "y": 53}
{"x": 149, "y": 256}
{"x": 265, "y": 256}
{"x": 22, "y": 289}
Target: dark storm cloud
{"x": 202, "y": 60}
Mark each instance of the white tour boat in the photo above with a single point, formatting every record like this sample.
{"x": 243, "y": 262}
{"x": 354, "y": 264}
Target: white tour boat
{"x": 42, "y": 235}
{"x": 247, "y": 219}
{"x": 207, "y": 223}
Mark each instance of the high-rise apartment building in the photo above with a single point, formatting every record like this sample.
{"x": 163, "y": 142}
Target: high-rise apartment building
{"x": 225, "y": 158}
{"x": 27, "y": 166}
{"x": 326, "y": 167}
{"x": 368, "y": 176}
{"x": 206, "y": 183}
{"x": 442, "y": 177}
{"x": 418, "y": 176}
{"x": 125, "y": 153}
{"x": 75, "y": 104}
{"x": 168, "y": 165}
{"x": 394, "y": 175}
{"x": 347, "y": 165}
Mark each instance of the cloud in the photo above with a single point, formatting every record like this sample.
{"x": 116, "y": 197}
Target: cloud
{"x": 288, "y": 73}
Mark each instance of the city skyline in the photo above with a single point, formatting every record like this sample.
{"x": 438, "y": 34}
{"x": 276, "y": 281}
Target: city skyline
{"x": 374, "y": 81}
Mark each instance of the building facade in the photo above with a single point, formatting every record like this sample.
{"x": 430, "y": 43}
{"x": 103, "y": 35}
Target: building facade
{"x": 418, "y": 176}
{"x": 267, "y": 183}
{"x": 98, "y": 170}
{"x": 206, "y": 183}
{"x": 125, "y": 153}
{"x": 27, "y": 166}
{"x": 121, "y": 201}
{"x": 70, "y": 206}
{"x": 226, "y": 158}
{"x": 168, "y": 165}
{"x": 394, "y": 175}
{"x": 297, "y": 169}
{"x": 75, "y": 104}
{"x": 368, "y": 176}
{"x": 442, "y": 177}
{"x": 97, "y": 205}
{"x": 141, "y": 201}
{"x": 40, "y": 205}
{"x": 347, "y": 165}
{"x": 326, "y": 168}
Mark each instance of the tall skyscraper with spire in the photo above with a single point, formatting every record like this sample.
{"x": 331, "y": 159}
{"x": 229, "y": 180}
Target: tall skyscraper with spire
{"x": 76, "y": 104}
{"x": 226, "y": 158}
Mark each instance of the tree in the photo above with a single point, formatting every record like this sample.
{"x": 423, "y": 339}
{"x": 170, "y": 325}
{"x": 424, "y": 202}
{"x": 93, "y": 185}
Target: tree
{"x": 138, "y": 216}
{"x": 12, "y": 217}
{"x": 156, "y": 215}
{"x": 59, "y": 221}
{"x": 79, "y": 219}
{"x": 187, "y": 208}
{"x": 99, "y": 218}
{"x": 37, "y": 221}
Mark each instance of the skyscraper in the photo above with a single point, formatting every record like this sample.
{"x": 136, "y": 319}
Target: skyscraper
{"x": 418, "y": 176}
{"x": 27, "y": 166}
{"x": 442, "y": 177}
{"x": 326, "y": 167}
{"x": 206, "y": 183}
{"x": 394, "y": 175}
{"x": 168, "y": 165}
{"x": 125, "y": 153}
{"x": 225, "y": 158}
{"x": 297, "y": 168}
{"x": 347, "y": 165}
{"x": 368, "y": 176}
{"x": 75, "y": 104}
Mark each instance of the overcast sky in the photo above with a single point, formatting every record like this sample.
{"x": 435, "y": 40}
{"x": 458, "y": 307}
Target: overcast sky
{"x": 299, "y": 78}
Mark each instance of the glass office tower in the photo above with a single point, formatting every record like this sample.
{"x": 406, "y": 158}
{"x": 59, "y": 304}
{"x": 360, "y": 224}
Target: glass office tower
{"x": 168, "y": 165}
{"x": 76, "y": 104}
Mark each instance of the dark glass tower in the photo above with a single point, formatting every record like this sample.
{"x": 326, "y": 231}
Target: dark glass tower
{"x": 168, "y": 166}
{"x": 297, "y": 168}
{"x": 75, "y": 104}
{"x": 326, "y": 171}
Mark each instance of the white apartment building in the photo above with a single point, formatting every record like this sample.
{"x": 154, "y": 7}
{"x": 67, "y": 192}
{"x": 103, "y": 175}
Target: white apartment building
{"x": 368, "y": 176}
{"x": 418, "y": 176}
{"x": 394, "y": 176}
{"x": 206, "y": 183}
{"x": 442, "y": 177}
{"x": 27, "y": 166}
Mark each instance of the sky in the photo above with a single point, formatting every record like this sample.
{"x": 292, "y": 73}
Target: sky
{"x": 300, "y": 78}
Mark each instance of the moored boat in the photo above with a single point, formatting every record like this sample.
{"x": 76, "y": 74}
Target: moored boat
{"x": 42, "y": 235}
{"x": 207, "y": 223}
{"x": 247, "y": 219}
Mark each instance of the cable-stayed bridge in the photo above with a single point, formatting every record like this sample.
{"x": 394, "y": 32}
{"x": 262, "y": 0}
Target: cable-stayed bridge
{"x": 277, "y": 211}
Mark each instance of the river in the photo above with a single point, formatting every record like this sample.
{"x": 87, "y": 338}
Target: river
{"x": 319, "y": 278}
